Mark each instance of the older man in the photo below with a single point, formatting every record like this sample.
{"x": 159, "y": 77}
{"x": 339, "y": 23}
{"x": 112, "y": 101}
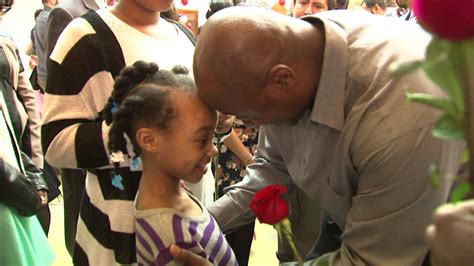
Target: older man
{"x": 334, "y": 122}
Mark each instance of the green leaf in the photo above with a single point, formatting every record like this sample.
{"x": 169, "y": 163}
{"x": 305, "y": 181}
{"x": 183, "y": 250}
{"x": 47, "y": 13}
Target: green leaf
{"x": 465, "y": 157}
{"x": 398, "y": 70}
{"x": 431, "y": 100}
{"x": 443, "y": 65}
{"x": 447, "y": 127}
{"x": 460, "y": 192}
{"x": 435, "y": 176}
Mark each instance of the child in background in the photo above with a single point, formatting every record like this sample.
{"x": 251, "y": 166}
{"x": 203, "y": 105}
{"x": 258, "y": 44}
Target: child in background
{"x": 171, "y": 129}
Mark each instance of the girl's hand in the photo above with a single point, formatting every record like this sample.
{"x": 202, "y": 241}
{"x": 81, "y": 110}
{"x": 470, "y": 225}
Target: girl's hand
{"x": 224, "y": 123}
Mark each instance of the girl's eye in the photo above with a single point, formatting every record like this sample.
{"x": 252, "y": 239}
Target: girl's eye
{"x": 203, "y": 141}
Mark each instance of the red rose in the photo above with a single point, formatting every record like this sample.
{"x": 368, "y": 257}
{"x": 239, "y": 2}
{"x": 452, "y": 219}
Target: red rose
{"x": 269, "y": 206}
{"x": 452, "y": 20}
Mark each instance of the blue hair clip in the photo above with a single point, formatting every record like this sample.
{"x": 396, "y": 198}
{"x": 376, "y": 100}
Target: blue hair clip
{"x": 114, "y": 107}
{"x": 117, "y": 181}
{"x": 136, "y": 164}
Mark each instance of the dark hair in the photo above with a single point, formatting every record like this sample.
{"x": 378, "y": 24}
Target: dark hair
{"x": 372, "y": 3}
{"x": 5, "y": 6}
{"x": 340, "y": 4}
{"x": 141, "y": 96}
{"x": 215, "y": 6}
{"x": 37, "y": 12}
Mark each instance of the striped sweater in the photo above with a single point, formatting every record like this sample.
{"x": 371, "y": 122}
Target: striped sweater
{"x": 89, "y": 53}
{"x": 157, "y": 229}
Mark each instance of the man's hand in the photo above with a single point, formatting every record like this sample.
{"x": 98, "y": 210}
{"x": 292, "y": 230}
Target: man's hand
{"x": 187, "y": 257}
{"x": 451, "y": 236}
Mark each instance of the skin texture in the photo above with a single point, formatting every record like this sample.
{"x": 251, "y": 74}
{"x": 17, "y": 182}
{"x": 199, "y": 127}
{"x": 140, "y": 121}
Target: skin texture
{"x": 187, "y": 257}
{"x": 257, "y": 65}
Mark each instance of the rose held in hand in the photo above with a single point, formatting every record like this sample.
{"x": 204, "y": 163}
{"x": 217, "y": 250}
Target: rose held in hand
{"x": 269, "y": 206}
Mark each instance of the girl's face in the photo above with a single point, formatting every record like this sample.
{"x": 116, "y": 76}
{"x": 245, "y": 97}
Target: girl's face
{"x": 186, "y": 148}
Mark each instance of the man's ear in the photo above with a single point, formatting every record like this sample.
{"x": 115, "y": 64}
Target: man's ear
{"x": 282, "y": 76}
{"x": 147, "y": 139}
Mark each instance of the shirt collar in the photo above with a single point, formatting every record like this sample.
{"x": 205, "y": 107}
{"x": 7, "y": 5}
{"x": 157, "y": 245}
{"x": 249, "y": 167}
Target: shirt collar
{"x": 328, "y": 107}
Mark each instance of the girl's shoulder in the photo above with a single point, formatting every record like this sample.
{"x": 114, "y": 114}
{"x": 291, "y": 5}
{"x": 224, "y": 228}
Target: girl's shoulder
{"x": 167, "y": 214}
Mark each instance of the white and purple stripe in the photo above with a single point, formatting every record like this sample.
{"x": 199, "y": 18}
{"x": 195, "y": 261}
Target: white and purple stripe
{"x": 156, "y": 232}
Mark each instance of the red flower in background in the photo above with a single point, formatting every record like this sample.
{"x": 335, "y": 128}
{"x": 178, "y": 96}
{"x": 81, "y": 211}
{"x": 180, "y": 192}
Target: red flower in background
{"x": 452, "y": 20}
{"x": 269, "y": 206}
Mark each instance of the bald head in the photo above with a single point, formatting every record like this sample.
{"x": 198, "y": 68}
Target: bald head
{"x": 240, "y": 44}
{"x": 240, "y": 49}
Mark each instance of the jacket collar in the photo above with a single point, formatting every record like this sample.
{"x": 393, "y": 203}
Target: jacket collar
{"x": 328, "y": 107}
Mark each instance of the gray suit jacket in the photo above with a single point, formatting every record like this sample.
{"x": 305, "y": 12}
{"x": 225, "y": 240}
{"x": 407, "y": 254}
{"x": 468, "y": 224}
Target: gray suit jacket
{"x": 61, "y": 15}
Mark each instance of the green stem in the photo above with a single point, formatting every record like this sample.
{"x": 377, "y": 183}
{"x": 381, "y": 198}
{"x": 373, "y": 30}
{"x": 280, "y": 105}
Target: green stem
{"x": 291, "y": 241}
{"x": 284, "y": 227}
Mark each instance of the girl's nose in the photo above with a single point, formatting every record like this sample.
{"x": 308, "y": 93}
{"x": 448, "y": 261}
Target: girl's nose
{"x": 212, "y": 151}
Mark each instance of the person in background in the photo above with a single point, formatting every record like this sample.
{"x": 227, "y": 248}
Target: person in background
{"x": 341, "y": 4}
{"x": 73, "y": 180}
{"x": 22, "y": 188}
{"x": 63, "y": 13}
{"x": 39, "y": 34}
{"x": 405, "y": 12}
{"x": 150, "y": 107}
{"x": 30, "y": 50}
{"x": 235, "y": 154}
{"x": 379, "y": 7}
{"x": 21, "y": 98}
{"x": 342, "y": 133}
{"x": 392, "y": 7}
{"x": 38, "y": 80}
{"x": 310, "y": 7}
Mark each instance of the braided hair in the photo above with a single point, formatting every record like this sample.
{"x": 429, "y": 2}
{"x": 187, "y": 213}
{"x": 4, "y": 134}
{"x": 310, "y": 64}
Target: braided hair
{"x": 141, "y": 97}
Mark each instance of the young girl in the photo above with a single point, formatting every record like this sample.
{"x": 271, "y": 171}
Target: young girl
{"x": 171, "y": 129}
{"x": 86, "y": 59}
